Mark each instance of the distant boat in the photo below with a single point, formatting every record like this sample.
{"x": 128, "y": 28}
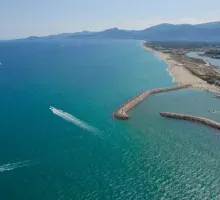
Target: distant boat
{"x": 212, "y": 111}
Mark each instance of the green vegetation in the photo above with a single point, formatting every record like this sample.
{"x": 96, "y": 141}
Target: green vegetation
{"x": 213, "y": 54}
{"x": 184, "y": 44}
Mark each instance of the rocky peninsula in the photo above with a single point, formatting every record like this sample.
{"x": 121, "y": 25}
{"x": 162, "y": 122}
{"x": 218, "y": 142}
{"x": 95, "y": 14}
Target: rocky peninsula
{"x": 122, "y": 111}
{"x": 201, "y": 120}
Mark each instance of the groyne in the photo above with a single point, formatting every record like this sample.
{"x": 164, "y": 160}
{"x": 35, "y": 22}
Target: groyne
{"x": 122, "y": 111}
{"x": 201, "y": 120}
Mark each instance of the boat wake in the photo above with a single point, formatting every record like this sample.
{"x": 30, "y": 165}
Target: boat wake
{"x": 68, "y": 117}
{"x": 12, "y": 166}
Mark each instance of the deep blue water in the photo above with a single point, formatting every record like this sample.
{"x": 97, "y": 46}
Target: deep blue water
{"x": 46, "y": 156}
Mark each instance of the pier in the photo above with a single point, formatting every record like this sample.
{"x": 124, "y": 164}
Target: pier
{"x": 122, "y": 112}
{"x": 201, "y": 120}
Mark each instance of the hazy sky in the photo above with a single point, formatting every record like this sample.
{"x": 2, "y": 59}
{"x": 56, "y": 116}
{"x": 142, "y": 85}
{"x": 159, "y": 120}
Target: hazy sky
{"x": 21, "y": 18}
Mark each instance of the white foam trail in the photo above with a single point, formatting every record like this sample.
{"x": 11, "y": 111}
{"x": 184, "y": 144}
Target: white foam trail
{"x": 12, "y": 166}
{"x": 68, "y": 117}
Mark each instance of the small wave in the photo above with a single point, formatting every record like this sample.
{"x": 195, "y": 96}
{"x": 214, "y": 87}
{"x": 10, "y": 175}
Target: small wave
{"x": 12, "y": 166}
{"x": 169, "y": 72}
{"x": 68, "y": 117}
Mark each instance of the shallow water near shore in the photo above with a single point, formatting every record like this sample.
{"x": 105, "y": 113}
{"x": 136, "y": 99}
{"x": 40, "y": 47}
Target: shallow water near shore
{"x": 147, "y": 157}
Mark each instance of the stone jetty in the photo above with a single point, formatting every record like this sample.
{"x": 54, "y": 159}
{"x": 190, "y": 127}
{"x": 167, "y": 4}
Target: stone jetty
{"x": 122, "y": 112}
{"x": 202, "y": 120}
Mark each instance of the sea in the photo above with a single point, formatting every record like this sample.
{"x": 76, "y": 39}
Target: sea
{"x": 59, "y": 141}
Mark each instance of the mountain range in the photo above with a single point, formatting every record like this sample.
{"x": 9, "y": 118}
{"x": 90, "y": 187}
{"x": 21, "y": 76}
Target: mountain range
{"x": 209, "y": 32}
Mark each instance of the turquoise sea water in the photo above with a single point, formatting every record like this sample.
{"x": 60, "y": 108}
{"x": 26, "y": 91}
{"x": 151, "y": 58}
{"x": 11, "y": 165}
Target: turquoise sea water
{"x": 51, "y": 156}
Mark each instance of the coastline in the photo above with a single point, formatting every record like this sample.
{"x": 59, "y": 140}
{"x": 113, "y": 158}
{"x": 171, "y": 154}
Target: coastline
{"x": 180, "y": 74}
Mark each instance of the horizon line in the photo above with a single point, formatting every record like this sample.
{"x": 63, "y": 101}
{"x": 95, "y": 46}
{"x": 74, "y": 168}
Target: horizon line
{"x": 96, "y": 31}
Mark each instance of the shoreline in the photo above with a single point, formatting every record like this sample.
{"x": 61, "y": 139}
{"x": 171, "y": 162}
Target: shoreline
{"x": 180, "y": 74}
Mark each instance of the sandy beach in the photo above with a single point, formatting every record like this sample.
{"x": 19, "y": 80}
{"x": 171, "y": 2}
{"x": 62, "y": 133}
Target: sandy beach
{"x": 181, "y": 75}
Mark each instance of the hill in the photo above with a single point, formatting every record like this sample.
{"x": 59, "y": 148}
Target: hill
{"x": 209, "y": 32}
